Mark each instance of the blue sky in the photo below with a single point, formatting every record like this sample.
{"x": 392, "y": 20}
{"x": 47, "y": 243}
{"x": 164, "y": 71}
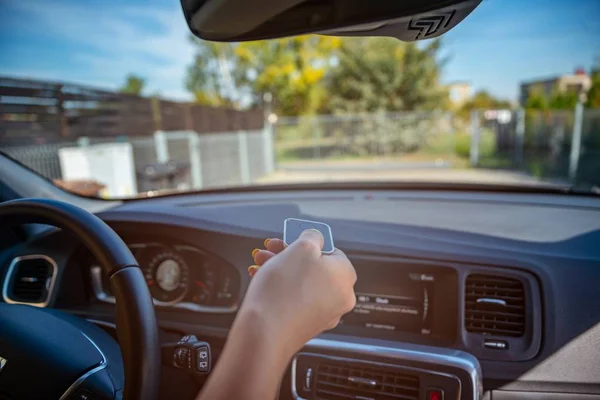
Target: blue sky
{"x": 98, "y": 42}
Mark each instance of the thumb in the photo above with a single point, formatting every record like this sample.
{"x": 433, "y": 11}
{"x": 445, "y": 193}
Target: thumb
{"x": 314, "y": 237}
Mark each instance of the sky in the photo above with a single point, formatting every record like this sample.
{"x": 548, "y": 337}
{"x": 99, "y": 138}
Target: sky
{"x": 99, "y": 42}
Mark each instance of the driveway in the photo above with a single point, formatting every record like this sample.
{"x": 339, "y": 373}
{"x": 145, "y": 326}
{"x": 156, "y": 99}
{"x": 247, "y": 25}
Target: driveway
{"x": 313, "y": 171}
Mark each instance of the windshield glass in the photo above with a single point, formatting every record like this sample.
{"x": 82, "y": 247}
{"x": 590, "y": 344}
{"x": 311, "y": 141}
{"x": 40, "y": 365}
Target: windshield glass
{"x": 117, "y": 99}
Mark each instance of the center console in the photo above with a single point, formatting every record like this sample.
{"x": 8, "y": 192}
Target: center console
{"x": 416, "y": 330}
{"x": 415, "y": 302}
{"x": 369, "y": 355}
{"x": 332, "y": 369}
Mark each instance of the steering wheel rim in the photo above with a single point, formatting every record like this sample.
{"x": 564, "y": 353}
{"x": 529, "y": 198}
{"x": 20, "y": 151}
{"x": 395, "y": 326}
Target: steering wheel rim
{"x": 136, "y": 322}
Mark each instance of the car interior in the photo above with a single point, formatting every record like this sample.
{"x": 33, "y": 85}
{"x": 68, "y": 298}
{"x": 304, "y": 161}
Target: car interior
{"x": 464, "y": 291}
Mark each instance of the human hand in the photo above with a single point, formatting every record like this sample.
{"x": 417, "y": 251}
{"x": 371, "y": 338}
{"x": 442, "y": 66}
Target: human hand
{"x": 297, "y": 292}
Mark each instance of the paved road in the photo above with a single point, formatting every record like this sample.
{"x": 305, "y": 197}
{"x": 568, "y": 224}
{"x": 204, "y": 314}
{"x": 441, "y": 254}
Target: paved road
{"x": 357, "y": 171}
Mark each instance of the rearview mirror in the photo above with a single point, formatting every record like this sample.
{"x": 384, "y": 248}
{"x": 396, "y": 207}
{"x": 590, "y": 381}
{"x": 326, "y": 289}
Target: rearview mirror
{"x": 241, "y": 20}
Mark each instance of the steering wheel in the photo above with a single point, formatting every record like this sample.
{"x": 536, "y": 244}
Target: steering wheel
{"x": 50, "y": 354}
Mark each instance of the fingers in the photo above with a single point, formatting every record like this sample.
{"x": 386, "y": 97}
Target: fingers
{"x": 274, "y": 245}
{"x": 262, "y": 256}
{"x": 310, "y": 239}
{"x": 252, "y": 270}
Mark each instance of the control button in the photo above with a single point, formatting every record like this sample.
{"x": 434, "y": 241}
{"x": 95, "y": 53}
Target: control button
{"x": 308, "y": 378}
{"x": 202, "y": 359}
{"x": 180, "y": 357}
{"x": 495, "y": 344}
{"x": 82, "y": 394}
{"x": 188, "y": 339}
{"x": 435, "y": 394}
{"x": 203, "y": 354}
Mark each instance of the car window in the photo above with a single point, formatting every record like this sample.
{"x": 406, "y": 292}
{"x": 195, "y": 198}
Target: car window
{"x": 136, "y": 106}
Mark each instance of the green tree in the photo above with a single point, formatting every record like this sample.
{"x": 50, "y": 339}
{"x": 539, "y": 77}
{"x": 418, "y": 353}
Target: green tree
{"x": 566, "y": 100}
{"x": 593, "y": 95}
{"x": 290, "y": 68}
{"x": 537, "y": 99}
{"x": 558, "y": 100}
{"x": 133, "y": 85}
{"x": 384, "y": 74}
{"x": 482, "y": 100}
{"x": 209, "y": 78}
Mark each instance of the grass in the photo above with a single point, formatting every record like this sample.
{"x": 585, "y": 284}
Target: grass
{"x": 450, "y": 148}
{"x": 358, "y": 143}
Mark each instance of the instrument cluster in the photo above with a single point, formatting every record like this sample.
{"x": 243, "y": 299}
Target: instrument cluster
{"x": 179, "y": 276}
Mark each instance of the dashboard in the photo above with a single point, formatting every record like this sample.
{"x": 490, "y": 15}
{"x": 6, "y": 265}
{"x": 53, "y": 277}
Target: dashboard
{"x": 178, "y": 276}
{"x": 494, "y": 293}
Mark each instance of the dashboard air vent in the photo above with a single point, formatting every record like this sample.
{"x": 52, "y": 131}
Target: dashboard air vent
{"x": 494, "y": 305}
{"x": 340, "y": 381}
{"x": 30, "y": 280}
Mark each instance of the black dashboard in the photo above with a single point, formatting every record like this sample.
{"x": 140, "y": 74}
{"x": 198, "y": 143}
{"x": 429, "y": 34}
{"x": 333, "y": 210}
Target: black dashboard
{"x": 179, "y": 276}
{"x": 506, "y": 283}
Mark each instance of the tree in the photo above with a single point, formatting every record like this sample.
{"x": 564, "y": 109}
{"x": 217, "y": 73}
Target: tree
{"x": 308, "y": 74}
{"x": 384, "y": 74}
{"x": 482, "y": 100}
{"x": 291, "y": 69}
{"x": 593, "y": 95}
{"x": 133, "y": 85}
{"x": 536, "y": 99}
{"x": 209, "y": 77}
{"x": 566, "y": 100}
{"x": 558, "y": 100}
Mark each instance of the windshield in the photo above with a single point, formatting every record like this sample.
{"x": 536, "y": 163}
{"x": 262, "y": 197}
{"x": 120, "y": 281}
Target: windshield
{"x": 117, "y": 99}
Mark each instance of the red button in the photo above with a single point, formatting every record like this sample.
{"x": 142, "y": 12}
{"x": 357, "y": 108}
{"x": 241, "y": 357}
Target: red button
{"x": 435, "y": 394}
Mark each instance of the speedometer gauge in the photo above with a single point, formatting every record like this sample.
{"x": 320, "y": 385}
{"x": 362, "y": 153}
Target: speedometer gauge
{"x": 167, "y": 276}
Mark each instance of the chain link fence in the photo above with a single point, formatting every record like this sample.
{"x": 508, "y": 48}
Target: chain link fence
{"x": 42, "y": 158}
{"x": 402, "y": 137}
{"x": 588, "y": 166}
{"x": 557, "y": 145}
{"x": 180, "y": 160}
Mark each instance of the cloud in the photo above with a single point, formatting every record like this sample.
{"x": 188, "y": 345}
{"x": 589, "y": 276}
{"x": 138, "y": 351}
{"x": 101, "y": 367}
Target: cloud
{"x": 108, "y": 40}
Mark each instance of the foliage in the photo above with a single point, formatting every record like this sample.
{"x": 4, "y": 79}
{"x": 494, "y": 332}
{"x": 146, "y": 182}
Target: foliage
{"x": 482, "y": 100}
{"x": 563, "y": 100}
{"x": 209, "y": 77}
{"x": 318, "y": 74}
{"x": 558, "y": 100}
{"x": 288, "y": 68}
{"x": 487, "y": 144}
{"x": 462, "y": 144}
{"x": 384, "y": 74}
{"x": 536, "y": 99}
{"x": 593, "y": 95}
{"x": 133, "y": 85}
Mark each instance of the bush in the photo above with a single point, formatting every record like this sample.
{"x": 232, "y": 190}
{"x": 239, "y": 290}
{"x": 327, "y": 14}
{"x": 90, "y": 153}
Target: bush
{"x": 462, "y": 145}
{"x": 487, "y": 144}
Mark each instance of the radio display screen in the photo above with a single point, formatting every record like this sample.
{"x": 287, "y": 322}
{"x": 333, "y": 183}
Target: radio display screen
{"x": 405, "y": 307}
{"x": 411, "y": 299}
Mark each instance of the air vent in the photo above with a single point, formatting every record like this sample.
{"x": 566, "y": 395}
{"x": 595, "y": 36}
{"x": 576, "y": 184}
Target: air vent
{"x": 30, "y": 280}
{"x": 340, "y": 381}
{"x": 494, "y": 305}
